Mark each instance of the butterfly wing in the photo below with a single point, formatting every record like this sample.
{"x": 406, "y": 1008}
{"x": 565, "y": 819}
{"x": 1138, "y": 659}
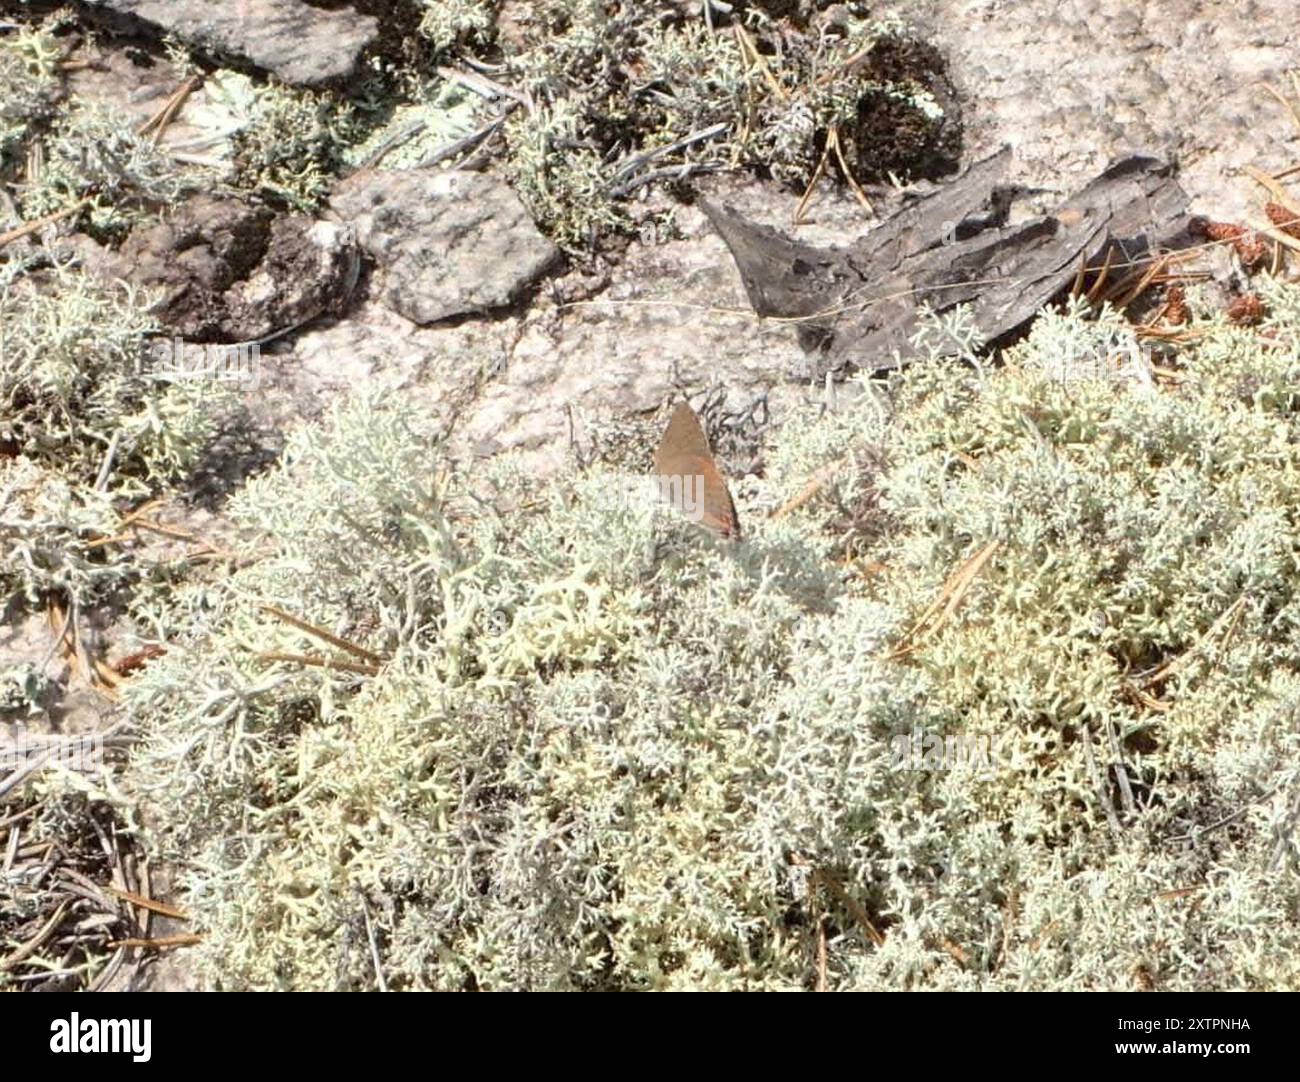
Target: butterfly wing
{"x": 690, "y": 476}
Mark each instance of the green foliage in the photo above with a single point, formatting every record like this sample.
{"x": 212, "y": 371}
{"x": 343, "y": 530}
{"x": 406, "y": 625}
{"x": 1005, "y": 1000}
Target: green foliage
{"x": 604, "y": 751}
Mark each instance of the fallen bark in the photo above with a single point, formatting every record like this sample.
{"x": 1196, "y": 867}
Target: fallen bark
{"x": 858, "y": 306}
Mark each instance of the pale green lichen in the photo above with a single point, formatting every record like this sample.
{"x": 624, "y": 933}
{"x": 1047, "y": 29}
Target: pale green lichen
{"x": 438, "y": 116}
{"x": 92, "y": 156}
{"x": 29, "y": 85}
{"x": 85, "y": 425}
{"x": 75, "y": 381}
{"x": 291, "y": 143}
{"x": 608, "y": 101}
{"x": 45, "y": 525}
{"x": 450, "y": 23}
{"x": 606, "y": 752}
{"x": 615, "y": 93}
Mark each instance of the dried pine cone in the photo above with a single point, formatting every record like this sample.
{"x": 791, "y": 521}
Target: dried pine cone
{"x": 1176, "y": 313}
{"x": 1204, "y": 227}
{"x": 1251, "y": 247}
{"x": 1246, "y": 309}
{"x": 1285, "y": 220}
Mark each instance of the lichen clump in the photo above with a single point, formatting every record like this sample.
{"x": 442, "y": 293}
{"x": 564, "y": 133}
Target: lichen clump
{"x": 86, "y": 425}
{"x": 574, "y": 743}
{"x": 29, "y": 88}
{"x": 620, "y": 97}
{"x": 588, "y": 107}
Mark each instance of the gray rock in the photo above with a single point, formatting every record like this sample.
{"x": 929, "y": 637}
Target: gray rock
{"x": 299, "y": 43}
{"x": 448, "y": 242}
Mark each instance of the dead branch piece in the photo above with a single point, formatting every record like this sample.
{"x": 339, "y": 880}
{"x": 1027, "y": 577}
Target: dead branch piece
{"x": 674, "y": 173}
{"x": 833, "y": 144}
{"x": 1145, "y": 699}
{"x": 1043, "y": 936}
{"x": 317, "y": 661}
{"x": 488, "y": 88}
{"x": 159, "y": 121}
{"x": 1276, "y": 234}
{"x": 1277, "y": 191}
{"x": 380, "y": 980}
{"x": 950, "y": 597}
{"x": 814, "y": 485}
{"x": 320, "y": 633}
{"x": 797, "y": 218}
{"x": 851, "y": 304}
{"x": 1121, "y": 769}
{"x": 123, "y": 666}
{"x": 135, "y": 520}
{"x": 1127, "y": 297}
{"x": 749, "y": 51}
{"x": 955, "y": 951}
{"x": 821, "y": 953}
{"x": 161, "y": 908}
{"x": 40, "y": 223}
{"x": 456, "y": 146}
{"x": 129, "y": 518}
{"x": 850, "y": 903}
{"x": 26, "y": 950}
{"x": 1077, "y": 287}
{"x": 23, "y": 772}
{"x": 68, "y": 928}
{"x": 849, "y": 65}
{"x": 1095, "y": 291}
{"x": 629, "y": 167}
{"x": 1197, "y": 833}
{"x": 160, "y": 943}
{"x": 1010, "y": 916}
{"x": 82, "y": 65}
{"x": 861, "y": 195}
{"x": 97, "y": 675}
{"x": 1098, "y": 783}
{"x": 1179, "y": 892}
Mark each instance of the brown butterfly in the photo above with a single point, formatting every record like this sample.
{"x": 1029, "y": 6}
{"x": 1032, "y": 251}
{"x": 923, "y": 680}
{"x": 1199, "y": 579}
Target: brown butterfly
{"x": 689, "y": 478}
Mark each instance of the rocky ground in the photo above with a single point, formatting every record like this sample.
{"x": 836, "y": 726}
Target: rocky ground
{"x": 1068, "y": 86}
{"x": 450, "y": 296}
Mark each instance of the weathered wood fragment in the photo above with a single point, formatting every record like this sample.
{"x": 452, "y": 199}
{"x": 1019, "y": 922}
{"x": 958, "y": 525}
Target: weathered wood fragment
{"x": 858, "y": 306}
